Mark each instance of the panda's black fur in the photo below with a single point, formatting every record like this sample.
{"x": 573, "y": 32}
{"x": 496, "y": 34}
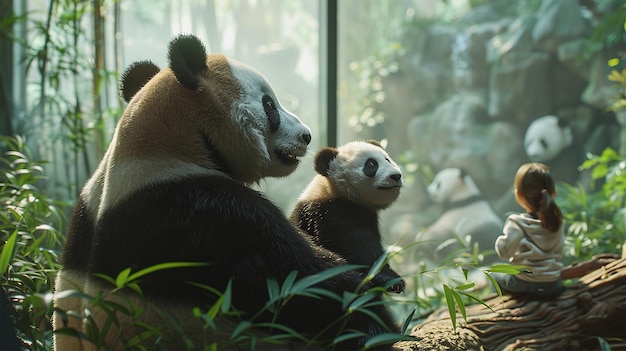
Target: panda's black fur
{"x": 172, "y": 188}
{"x": 135, "y": 77}
{"x": 335, "y": 210}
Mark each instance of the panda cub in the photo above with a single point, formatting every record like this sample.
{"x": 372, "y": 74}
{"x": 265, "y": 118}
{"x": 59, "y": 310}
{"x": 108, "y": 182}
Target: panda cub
{"x": 466, "y": 214}
{"x": 339, "y": 208}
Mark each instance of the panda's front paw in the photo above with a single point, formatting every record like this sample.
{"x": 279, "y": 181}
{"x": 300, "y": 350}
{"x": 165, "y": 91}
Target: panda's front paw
{"x": 393, "y": 283}
{"x": 397, "y": 287}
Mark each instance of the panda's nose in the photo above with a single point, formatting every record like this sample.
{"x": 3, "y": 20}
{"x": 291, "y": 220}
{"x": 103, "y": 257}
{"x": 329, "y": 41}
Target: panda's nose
{"x": 306, "y": 137}
{"x": 396, "y": 176}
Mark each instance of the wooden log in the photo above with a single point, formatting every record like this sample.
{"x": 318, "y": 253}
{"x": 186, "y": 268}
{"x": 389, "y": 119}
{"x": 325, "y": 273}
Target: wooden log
{"x": 590, "y": 311}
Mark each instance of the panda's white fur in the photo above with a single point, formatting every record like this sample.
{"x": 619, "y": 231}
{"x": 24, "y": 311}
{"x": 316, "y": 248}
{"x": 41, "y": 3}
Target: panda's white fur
{"x": 339, "y": 208}
{"x": 172, "y": 187}
{"x": 546, "y": 137}
{"x": 465, "y": 215}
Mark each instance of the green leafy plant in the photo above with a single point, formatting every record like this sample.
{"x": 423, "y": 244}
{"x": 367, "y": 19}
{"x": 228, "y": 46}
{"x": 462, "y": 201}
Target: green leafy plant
{"x": 619, "y": 80}
{"x": 610, "y": 31}
{"x": 596, "y": 220}
{"x": 248, "y": 331}
{"x": 30, "y": 224}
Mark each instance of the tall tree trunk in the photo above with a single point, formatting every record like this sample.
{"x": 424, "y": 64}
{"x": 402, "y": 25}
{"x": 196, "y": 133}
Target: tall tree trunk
{"x": 6, "y": 68}
{"x": 99, "y": 66}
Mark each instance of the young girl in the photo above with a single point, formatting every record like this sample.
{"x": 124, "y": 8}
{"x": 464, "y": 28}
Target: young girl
{"x": 533, "y": 239}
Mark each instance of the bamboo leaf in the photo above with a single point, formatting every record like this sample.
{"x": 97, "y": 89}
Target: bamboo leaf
{"x": 477, "y": 300}
{"x": 450, "y": 303}
{"x": 322, "y": 276}
{"x": 465, "y": 286}
{"x": 7, "y": 252}
{"x": 240, "y": 328}
{"x": 122, "y": 278}
{"x": 273, "y": 290}
{"x": 227, "y": 298}
{"x": 377, "y": 266}
{"x": 288, "y": 283}
{"x": 494, "y": 284}
{"x": 383, "y": 339}
{"x": 348, "y": 336}
{"x": 507, "y": 268}
{"x": 216, "y": 308}
{"x": 407, "y": 322}
{"x": 361, "y": 301}
{"x": 460, "y": 304}
{"x": 289, "y": 332}
{"x": 604, "y": 346}
{"x": 106, "y": 278}
{"x": 164, "y": 266}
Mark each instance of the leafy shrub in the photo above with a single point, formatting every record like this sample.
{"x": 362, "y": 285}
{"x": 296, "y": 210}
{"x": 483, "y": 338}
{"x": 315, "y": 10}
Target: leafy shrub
{"x": 30, "y": 224}
{"x": 249, "y": 331}
{"x": 596, "y": 219}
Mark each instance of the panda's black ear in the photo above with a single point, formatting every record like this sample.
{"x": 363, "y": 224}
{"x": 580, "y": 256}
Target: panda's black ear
{"x": 563, "y": 122}
{"x": 135, "y": 77}
{"x": 323, "y": 158}
{"x": 375, "y": 143}
{"x": 462, "y": 173}
{"x": 381, "y": 144}
{"x": 187, "y": 57}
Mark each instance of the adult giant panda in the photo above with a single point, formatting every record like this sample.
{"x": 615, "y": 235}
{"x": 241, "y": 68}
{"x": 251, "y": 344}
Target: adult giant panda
{"x": 550, "y": 140}
{"x": 339, "y": 208}
{"x": 172, "y": 187}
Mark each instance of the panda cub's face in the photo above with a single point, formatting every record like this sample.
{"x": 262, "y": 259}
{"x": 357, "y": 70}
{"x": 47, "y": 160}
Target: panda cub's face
{"x": 442, "y": 188}
{"x": 546, "y": 137}
{"x": 362, "y": 172}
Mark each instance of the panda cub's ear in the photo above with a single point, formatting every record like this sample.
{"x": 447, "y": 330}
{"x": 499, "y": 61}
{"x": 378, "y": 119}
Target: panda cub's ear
{"x": 563, "y": 122}
{"x": 462, "y": 174}
{"x": 380, "y": 144}
{"x": 323, "y": 158}
{"x": 135, "y": 77}
{"x": 187, "y": 56}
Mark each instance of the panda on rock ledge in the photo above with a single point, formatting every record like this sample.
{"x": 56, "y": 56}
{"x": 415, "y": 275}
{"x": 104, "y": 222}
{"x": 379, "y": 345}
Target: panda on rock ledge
{"x": 173, "y": 187}
{"x": 339, "y": 208}
{"x": 466, "y": 215}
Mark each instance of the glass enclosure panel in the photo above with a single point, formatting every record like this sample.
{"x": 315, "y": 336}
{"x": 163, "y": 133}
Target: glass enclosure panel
{"x": 68, "y": 108}
{"x": 466, "y": 84}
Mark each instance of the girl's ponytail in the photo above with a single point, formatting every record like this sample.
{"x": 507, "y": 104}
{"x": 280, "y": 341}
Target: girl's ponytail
{"x": 549, "y": 213}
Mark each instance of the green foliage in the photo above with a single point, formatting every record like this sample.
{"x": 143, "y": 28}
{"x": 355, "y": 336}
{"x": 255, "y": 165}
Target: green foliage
{"x": 442, "y": 286}
{"x": 619, "y": 79}
{"x": 610, "y": 31}
{"x": 30, "y": 236}
{"x": 69, "y": 104}
{"x": 596, "y": 220}
{"x": 123, "y": 313}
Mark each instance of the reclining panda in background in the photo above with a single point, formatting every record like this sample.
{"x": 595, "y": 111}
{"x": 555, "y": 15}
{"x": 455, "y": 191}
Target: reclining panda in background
{"x": 339, "y": 208}
{"x": 466, "y": 215}
{"x": 172, "y": 188}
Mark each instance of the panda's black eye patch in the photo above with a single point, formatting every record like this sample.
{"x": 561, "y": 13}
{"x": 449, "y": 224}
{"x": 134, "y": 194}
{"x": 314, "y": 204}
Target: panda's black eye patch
{"x": 272, "y": 112}
{"x": 544, "y": 143}
{"x": 370, "y": 168}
